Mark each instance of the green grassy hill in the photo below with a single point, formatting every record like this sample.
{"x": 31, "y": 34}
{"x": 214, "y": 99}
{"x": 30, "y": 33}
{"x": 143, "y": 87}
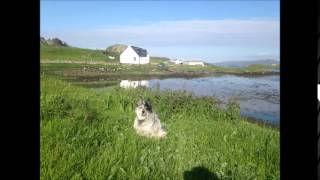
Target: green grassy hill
{"x": 63, "y": 54}
{"x": 71, "y": 54}
{"x": 55, "y": 50}
{"x": 67, "y": 54}
{"x": 87, "y": 134}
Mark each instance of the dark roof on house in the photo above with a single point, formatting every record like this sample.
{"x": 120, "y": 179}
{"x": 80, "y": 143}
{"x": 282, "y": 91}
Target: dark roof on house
{"x": 141, "y": 52}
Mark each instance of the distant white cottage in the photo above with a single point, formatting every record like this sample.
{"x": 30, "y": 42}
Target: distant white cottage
{"x": 194, "y": 63}
{"x": 176, "y": 61}
{"x": 134, "y": 55}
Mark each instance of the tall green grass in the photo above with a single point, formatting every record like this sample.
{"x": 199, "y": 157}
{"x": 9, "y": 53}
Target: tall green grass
{"x": 89, "y": 135}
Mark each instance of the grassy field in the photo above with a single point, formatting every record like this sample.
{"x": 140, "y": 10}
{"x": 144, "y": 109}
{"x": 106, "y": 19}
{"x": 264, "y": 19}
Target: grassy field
{"x": 86, "y": 134}
{"x": 61, "y": 53}
{"x": 72, "y": 54}
{"x": 70, "y": 61}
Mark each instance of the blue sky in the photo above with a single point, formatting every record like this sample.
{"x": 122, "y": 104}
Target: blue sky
{"x": 209, "y": 30}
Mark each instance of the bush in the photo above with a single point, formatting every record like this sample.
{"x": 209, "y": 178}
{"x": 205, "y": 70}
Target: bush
{"x": 233, "y": 109}
{"x": 55, "y": 105}
{"x": 163, "y": 66}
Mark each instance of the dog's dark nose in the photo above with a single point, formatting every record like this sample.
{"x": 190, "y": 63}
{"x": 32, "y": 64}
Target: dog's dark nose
{"x": 142, "y": 111}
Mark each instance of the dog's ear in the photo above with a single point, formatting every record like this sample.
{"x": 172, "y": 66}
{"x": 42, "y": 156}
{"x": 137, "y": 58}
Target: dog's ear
{"x": 140, "y": 102}
{"x": 148, "y": 105}
{"x": 148, "y": 101}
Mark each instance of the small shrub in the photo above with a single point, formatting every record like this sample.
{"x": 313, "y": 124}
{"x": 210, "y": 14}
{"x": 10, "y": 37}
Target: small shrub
{"x": 54, "y": 106}
{"x": 233, "y": 109}
{"x": 163, "y": 66}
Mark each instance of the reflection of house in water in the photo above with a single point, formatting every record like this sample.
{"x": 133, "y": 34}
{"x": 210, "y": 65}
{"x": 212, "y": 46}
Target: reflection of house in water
{"x": 133, "y": 84}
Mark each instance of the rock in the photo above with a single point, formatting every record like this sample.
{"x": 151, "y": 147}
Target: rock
{"x": 53, "y": 42}
{"x": 116, "y": 49}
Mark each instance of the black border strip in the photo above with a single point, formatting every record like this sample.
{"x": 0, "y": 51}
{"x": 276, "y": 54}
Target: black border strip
{"x": 298, "y": 107}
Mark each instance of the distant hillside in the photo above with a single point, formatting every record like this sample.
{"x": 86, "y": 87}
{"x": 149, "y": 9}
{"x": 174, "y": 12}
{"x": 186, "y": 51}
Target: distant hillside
{"x": 53, "y": 42}
{"x": 246, "y": 63}
{"x": 56, "y": 49}
{"x": 156, "y": 60}
{"x": 116, "y": 49}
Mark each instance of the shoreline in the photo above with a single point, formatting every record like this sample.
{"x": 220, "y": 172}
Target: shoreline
{"x": 119, "y": 76}
{"x": 262, "y": 123}
{"x": 185, "y": 73}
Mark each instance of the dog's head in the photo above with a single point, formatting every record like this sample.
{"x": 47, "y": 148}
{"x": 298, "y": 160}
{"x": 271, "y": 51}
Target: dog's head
{"x": 143, "y": 108}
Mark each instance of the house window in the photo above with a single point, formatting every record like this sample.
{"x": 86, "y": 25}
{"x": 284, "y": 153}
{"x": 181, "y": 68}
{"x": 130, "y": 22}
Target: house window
{"x": 134, "y": 58}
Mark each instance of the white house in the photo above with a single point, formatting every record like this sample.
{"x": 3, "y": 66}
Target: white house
{"x": 134, "y": 55}
{"x": 194, "y": 63}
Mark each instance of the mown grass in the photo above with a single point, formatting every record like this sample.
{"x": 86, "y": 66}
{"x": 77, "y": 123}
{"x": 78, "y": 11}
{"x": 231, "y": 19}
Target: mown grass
{"x": 87, "y": 134}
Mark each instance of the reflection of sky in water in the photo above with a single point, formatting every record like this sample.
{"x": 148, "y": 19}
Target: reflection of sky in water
{"x": 259, "y": 97}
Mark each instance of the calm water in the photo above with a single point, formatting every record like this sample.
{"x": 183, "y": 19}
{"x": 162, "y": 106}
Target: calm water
{"x": 259, "y": 97}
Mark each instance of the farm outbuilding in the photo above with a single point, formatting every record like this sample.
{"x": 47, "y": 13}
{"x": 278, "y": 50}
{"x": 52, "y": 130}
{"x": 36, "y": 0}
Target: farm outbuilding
{"x": 176, "y": 61}
{"x": 194, "y": 63}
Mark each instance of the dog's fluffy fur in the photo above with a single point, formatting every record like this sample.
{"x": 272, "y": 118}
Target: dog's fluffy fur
{"x": 147, "y": 122}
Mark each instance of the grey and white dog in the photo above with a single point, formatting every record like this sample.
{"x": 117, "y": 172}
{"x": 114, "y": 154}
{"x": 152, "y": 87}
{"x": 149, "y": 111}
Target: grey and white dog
{"x": 147, "y": 122}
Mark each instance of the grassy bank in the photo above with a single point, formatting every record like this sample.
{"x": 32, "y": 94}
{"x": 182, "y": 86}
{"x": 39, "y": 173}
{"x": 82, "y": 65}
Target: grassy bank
{"x": 87, "y": 134}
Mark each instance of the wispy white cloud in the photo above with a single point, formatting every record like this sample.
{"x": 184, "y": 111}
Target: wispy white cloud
{"x": 252, "y": 33}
